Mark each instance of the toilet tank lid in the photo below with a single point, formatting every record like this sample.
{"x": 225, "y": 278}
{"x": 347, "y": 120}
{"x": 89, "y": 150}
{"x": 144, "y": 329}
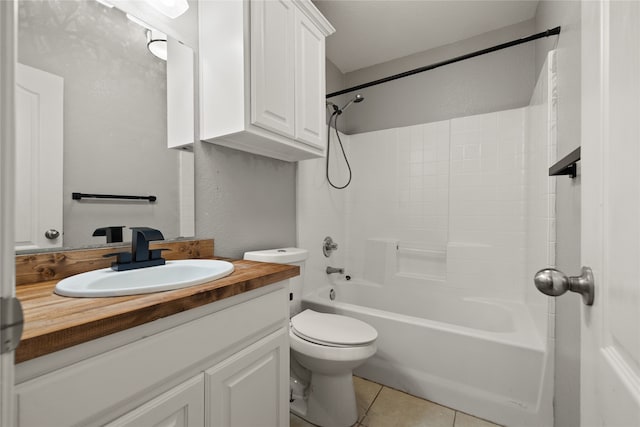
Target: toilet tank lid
{"x": 278, "y": 256}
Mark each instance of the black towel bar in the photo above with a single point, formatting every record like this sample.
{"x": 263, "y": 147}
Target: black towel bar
{"x": 80, "y": 196}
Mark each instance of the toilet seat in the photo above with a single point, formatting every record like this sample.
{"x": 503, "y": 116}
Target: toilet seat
{"x": 332, "y": 330}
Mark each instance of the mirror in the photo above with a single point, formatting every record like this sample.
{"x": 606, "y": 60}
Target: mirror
{"x": 110, "y": 116}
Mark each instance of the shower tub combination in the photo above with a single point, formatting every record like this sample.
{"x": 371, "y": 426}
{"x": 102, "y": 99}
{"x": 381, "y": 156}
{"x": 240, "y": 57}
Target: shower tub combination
{"x": 478, "y": 355}
{"x": 445, "y": 225}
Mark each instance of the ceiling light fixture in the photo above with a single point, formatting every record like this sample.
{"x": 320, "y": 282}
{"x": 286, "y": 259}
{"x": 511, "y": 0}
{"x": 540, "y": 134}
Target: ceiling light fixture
{"x": 169, "y": 8}
{"x": 157, "y": 43}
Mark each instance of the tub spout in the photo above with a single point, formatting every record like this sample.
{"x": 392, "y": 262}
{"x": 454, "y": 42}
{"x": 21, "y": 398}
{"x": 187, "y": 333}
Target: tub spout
{"x": 331, "y": 270}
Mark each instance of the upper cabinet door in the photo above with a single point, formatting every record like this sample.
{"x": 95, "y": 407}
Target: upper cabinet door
{"x": 310, "y": 82}
{"x": 272, "y": 65}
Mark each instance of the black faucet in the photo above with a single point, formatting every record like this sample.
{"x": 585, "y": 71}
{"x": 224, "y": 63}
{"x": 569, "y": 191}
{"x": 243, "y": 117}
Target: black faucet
{"x": 113, "y": 233}
{"x": 140, "y": 255}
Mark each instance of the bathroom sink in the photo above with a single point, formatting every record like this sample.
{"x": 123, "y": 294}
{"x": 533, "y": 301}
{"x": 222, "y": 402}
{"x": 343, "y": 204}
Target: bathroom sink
{"x": 173, "y": 275}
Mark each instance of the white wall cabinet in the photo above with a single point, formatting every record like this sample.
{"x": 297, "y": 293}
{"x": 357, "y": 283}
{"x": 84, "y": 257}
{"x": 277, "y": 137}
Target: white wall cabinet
{"x": 262, "y": 77}
{"x": 228, "y": 367}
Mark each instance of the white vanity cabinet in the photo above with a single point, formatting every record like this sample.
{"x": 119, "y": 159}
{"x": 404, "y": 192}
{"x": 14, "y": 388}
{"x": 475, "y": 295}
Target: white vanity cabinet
{"x": 225, "y": 364}
{"x": 247, "y": 388}
{"x": 262, "y": 77}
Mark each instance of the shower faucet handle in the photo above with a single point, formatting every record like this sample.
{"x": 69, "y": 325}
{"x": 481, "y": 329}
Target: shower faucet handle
{"x": 328, "y": 246}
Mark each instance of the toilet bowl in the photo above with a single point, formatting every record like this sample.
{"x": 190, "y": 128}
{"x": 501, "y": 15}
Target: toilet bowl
{"x": 325, "y": 348}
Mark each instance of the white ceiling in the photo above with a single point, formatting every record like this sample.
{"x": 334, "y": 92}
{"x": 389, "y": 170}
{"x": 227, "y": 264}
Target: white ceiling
{"x": 370, "y": 32}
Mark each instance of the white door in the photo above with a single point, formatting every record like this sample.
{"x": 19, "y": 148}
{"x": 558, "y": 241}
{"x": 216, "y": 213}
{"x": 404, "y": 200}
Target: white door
{"x": 38, "y": 197}
{"x": 7, "y": 137}
{"x": 610, "y": 377}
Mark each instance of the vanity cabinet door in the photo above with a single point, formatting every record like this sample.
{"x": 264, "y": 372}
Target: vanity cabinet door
{"x": 272, "y": 65}
{"x": 251, "y": 387}
{"x": 182, "y": 406}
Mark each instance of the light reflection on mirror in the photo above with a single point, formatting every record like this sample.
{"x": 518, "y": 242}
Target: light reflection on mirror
{"x": 114, "y": 127}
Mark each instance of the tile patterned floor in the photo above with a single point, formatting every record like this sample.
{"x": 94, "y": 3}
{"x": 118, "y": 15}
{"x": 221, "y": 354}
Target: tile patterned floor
{"x": 380, "y": 406}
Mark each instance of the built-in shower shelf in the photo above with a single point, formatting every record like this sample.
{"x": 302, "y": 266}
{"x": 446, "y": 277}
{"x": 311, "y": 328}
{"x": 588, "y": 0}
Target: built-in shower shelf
{"x": 566, "y": 165}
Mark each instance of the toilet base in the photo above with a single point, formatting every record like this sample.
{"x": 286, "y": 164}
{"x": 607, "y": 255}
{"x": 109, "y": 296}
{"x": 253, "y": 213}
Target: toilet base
{"x": 331, "y": 401}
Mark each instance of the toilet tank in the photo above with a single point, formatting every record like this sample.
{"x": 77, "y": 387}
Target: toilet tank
{"x": 293, "y": 256}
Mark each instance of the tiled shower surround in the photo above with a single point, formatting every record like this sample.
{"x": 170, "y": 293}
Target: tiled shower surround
{"x": 452, "y": 194}
{"x": 465, "y": 201}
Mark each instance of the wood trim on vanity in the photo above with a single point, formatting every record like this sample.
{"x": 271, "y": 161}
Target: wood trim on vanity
{"x": 53, "y": 322}
{"x": 42, "y": 267}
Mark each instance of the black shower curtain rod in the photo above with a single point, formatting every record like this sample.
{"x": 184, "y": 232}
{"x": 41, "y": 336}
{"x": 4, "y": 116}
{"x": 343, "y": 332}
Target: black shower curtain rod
{"x": 548, "y": 33}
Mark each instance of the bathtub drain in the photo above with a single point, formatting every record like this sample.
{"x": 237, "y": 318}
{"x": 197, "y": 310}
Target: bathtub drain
{"x": 332, "y": 294}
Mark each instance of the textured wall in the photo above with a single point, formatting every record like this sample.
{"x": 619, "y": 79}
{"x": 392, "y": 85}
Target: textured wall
{"x": 494, "y": 82}
{"x": 567, "y": 44}
{"x": 114, "y": 114}
{"x": 246, "y": 202}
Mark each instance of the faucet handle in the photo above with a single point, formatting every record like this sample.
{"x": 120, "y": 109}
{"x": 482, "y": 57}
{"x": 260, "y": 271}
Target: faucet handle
{"x": 328, "y": 246}
{"x": 112, "y": 233}
{"x": 157, "y": 253}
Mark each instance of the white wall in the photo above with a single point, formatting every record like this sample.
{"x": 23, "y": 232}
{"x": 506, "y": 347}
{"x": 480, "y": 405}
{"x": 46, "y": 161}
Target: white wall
{"x": 567, "y": 308}
{"x": 494, "y": 82}
{"x": 244, "y": 201}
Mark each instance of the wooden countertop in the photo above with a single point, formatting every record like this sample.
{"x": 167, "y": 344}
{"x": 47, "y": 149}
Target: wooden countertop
{"x": 53, "y": 322}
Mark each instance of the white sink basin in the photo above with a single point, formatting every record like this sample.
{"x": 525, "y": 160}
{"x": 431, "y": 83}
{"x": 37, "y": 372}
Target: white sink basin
{"x": 173, "y": 275}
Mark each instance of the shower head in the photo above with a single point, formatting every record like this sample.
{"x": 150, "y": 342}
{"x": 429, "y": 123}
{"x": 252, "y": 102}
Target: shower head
{"x": 358, "y": 98}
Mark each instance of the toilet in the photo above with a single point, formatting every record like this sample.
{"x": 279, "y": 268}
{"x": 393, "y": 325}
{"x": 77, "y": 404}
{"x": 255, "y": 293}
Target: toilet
{"x": 325, "y": 349}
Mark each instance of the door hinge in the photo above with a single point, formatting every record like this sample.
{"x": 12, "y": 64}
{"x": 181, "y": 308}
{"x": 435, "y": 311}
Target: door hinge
{"x": 11, "y": 324}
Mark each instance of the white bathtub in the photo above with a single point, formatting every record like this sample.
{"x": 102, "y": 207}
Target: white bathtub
{"x": 477, "y": 355}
